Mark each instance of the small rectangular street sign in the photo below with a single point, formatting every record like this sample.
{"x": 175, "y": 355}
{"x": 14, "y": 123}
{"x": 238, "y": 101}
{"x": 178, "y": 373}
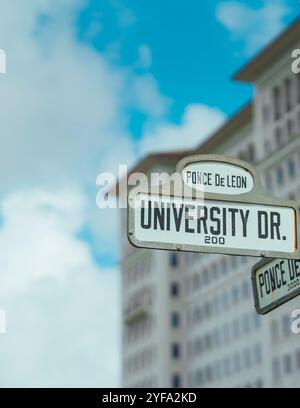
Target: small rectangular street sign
{"x": 275, "y": 282}
{"x": 231, "y": 214}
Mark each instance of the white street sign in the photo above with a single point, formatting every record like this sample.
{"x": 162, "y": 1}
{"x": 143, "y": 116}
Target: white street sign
{"x": 216, "y": 177}
{"x": 232, "y": 215}
{"x": 275, "y": 282}
{"x": 213, "y": 224}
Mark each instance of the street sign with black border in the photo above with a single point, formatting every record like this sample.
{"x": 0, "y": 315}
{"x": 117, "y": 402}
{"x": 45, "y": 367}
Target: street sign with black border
{"x": 232, "y": 215}
{"x": 275, "y": 282}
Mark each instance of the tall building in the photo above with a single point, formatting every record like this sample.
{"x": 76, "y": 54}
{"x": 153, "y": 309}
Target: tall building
{"x": 189, "y": 318}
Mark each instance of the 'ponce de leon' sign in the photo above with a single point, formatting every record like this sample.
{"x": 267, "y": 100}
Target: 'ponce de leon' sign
{"x": 214, "y": 177}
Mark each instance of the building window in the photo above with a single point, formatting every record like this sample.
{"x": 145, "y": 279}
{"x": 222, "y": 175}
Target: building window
{"x": 227, "y": 366}
{"x": 225, "y": 300}
{"x": 209, "y": 373}
{"x": 246, "y": 289}
{"x": 224, "y": 266}
{"x": 256, "y": 320}
{"x": 233, "y": 261}
{"x": 199, "y": 345}
{"x": 292, "y": 196}
{"x": 268, "y": 181}
{"x": 247, "y": 323}
{"x": 286, "y": 325}
{"x": 287, "y": 364}
{"x": 243, "y": 259}
{"x": 214, "y": 271}
{"x": 216, "y": 338}
{"x": 278, "y": 137}
{"x": 279, "y": 175}
{"x": 274, "y": 331}
{"x": 189, "y": 317}
{"x": 267, "y": 148}
{"x": 236, "y": 328}
{"x": 251, "y": 153}
{"x": 176, "y": 381}
{"x": 247, "y": 358}
{"x": 197, "y": 314}
{"x": 242, "y": 156}
{"x": 290, "y": 128}
{"x": 175, "y": 320}
{"x": 175, "y": 350}
{"x": 205, "y": 277}
{"x": 291, "y": 168}
{"x": 235, "y": 295}
{"x": 217, "y": 370}
{"x": 174, "y": 289}
{"x": 190, "y": 380}
{"x": 199, "y": 377}
{"x": 237, "y": 361}
{"x": 189, "y": 285}
{"x": 217, "y": 304}
{"x": 259, "y": 383}
{"x": 266, "y": 114}
{"x": 276, "y": 103}
{"x": 276, "y": 369}
{"x": 196, "y": 282}
{"x": 288, "y": 99}
{"x": 226, "y": 334}
{"x": 257, "y": 353}
{"x": 173, "y": 260}
{"x": 207, "y": 309}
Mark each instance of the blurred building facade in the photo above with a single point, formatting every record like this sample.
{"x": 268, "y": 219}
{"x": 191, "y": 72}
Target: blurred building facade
{"x": 189, "y": 319}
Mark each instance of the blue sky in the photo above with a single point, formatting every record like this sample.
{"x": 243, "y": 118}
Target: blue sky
{"x": 91, "y": 85}
{"x": 193, "y": 54}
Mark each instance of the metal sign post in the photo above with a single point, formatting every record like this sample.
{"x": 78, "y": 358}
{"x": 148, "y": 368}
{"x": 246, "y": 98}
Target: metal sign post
{"x": 232, "y": 215}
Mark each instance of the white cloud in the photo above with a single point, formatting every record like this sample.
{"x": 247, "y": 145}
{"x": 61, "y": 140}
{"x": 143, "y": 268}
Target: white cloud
{"x": 197, "y": 123}
{"x": 125, "y": 15}
{"x": 40, "y": 227}
{"x": 147, "y": 97}
{"x": 95, "y": 26}
{"x": 255, "y": 27}
{"x": 61, "y": 308}
{"x": 144, "y": 56}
